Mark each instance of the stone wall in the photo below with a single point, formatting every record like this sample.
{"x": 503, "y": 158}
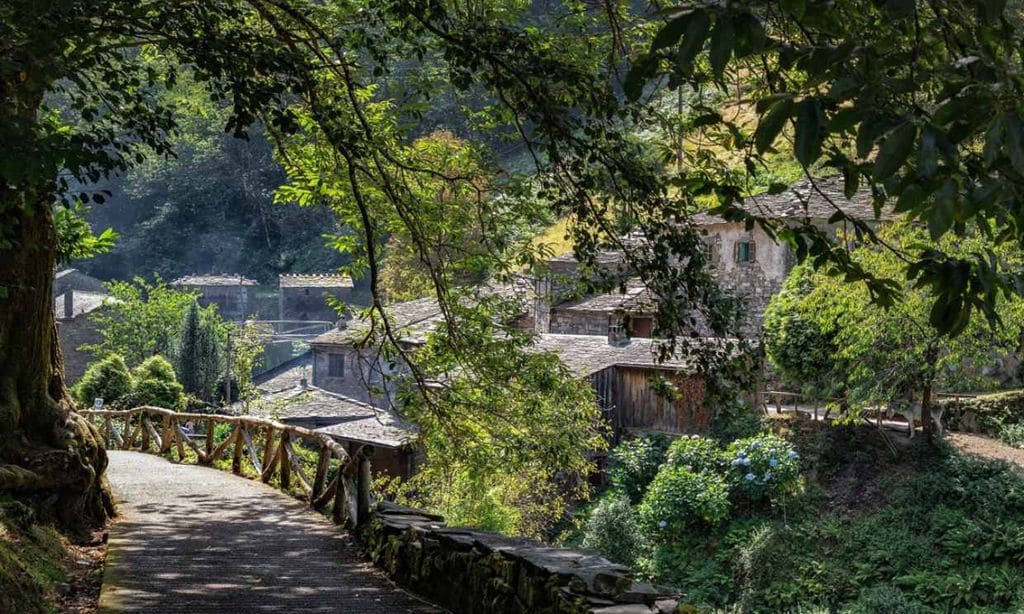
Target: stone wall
{"x": 311, "y": 303}
{"x": 469, "y": 571}
{"x": 73, "y": 333}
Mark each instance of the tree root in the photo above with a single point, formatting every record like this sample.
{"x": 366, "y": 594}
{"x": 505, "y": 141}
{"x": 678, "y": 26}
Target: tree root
{"x": 65, "y": 483}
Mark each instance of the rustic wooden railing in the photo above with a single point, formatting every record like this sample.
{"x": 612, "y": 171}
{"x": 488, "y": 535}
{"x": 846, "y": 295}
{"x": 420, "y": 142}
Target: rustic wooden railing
{"x": 813, "y": 403}
{"x": 257, "y": 447}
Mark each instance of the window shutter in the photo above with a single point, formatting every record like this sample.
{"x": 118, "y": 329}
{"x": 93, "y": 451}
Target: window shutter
{"x": 752, "y": 251}
{"x": 736, "y": 251}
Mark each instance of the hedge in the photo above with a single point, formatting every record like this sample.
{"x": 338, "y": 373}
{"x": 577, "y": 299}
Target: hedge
{"x": 985, "y": 413}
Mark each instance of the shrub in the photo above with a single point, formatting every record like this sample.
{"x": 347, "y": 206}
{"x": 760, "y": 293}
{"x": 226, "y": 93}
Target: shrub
{"x": 107, "y": 379}
{"x": 696, "y": 453}
{"x": 762, "y": 467}
{"x": 156, "y": 393}
{"x": 635, "y": 462}
{"x": 885, "y": 598}
{"x": 614, "y": 530}
{"x": 1012, "y": 435}
{"x": 679, "y": 500}
{"x": 156, "y": 368}
{"x": 985, "y": 413}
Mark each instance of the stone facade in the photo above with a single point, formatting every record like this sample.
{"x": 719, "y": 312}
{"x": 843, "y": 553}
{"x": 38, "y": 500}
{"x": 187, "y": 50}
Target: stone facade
{"x": 230, "y": 293}
{"x": 305, "y": 297}
{"x": 756, "y": 274}
{"x": 471, "y": 572}
{"x": 75, "y": 329}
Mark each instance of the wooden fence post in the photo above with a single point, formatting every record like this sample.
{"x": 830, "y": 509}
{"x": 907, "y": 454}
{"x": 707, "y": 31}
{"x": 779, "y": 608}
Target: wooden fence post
{"x": 236, "y": 460}
{"x": 286, "y": 470}
{"x": 364, "y": 482}
{"x": 210, "y": 429}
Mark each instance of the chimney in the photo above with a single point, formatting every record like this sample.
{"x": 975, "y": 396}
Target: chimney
{"x": 304, "y": 384}
{"x": 617, "y": 334}
{"x": 69, "y": 304}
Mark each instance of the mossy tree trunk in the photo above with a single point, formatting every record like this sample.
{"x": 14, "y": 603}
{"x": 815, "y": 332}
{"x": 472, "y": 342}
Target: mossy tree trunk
{"x": 48, "y": 452}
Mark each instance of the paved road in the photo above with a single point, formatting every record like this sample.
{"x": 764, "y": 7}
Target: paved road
{"x": 194, "y": 539}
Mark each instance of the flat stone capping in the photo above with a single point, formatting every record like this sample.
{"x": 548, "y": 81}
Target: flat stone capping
{"x": 470, "y": 571}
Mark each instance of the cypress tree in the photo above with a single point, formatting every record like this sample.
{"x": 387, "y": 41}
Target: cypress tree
{"x": 188, "y": 359}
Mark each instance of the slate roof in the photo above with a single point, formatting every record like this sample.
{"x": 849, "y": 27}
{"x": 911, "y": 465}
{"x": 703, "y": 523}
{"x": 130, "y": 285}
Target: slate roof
{"x": 587, "y": 354}
{"x": 413, "y": 318}
{"x": 309, "y": 403}
{"x": 803, "y": 202}
{"x": 384, "y": 429}
{"x": 353, "y": 420}
{"x": 314, "y": 280}
{"x": 213, "y": 280}
{"x": 84, "y": 302}
{"x": 636, "y": 299}
{"x": 288, "y": 374}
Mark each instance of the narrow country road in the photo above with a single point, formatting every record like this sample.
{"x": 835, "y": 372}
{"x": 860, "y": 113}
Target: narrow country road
{"x": 198, "y": 540}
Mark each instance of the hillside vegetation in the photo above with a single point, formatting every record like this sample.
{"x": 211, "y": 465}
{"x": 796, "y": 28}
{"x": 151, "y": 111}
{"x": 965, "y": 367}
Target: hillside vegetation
{"x": 872, "y": 527}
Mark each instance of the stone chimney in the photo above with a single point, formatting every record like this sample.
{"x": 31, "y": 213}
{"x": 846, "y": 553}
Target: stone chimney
{"x": 69, "y": 304}
{"x": 617, "y": 334}
{"x": 304, "y": 384}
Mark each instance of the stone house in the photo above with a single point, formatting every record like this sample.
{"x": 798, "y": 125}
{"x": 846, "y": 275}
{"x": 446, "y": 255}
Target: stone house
{"x": 622, "y": 371}
{"x": 747, "y": 262}
{"x": 230, "y": 293}
{"x": 73, "y": 279}
{"x": 287, "y": 396}
{"x": 74, "y": 328}
{"x": 304, "y": 297}
{"x": 603, "y": 314}
{"x": 341, "y": 366}
{"x": 751, "y": 264}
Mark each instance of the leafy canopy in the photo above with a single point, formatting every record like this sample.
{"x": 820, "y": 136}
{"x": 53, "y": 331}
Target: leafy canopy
{"x": 877, "y": 354}
{"x": 918, "y": 100}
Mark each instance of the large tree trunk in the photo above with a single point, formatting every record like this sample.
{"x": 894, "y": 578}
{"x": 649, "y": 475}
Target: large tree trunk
{"x": 48, "y": 452}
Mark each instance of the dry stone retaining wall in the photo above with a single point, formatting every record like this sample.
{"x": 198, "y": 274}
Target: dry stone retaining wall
{"x": 470, "y": 571}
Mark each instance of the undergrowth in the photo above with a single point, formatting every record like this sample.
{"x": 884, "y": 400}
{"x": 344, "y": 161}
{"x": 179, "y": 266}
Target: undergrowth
{"x": 31, "y": 561}
{"x": 879, "y": 527}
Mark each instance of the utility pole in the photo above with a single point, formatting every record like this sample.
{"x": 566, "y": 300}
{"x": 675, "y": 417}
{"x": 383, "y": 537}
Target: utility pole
{"x": 227, "y": 375}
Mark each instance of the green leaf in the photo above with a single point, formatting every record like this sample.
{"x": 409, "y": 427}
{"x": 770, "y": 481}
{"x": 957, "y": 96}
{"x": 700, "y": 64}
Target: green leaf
{"x": 670, "y": 32}
{"x": 1015, "y": 141}
{"x": 771, "y": 124}
{"x": 912, "y": 196}
{"x": 994, "y": 139}
{"x": 894, "y": 150}
{"x": 928, "y": 152}
{"x": 942, "y": 213}
{"x": 694, "y": 35}
{"x": 809, "y": 133}
{"x": 722, "y": 38}
{"x": 643, "y": 69}
{"x": 851, "y": 181}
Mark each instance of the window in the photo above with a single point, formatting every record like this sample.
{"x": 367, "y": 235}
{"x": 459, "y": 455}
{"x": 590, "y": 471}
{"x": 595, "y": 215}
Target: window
{"x": 744, "y": 252}
{"x": 336, "y": 365}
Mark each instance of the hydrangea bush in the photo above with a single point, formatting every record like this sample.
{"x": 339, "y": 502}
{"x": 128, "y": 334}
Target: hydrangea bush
{"x": 635, "y": 462}
{"x": 762, "y": 468}
{"x": 680, "y": 499}
{"x": 696, "y": 453}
